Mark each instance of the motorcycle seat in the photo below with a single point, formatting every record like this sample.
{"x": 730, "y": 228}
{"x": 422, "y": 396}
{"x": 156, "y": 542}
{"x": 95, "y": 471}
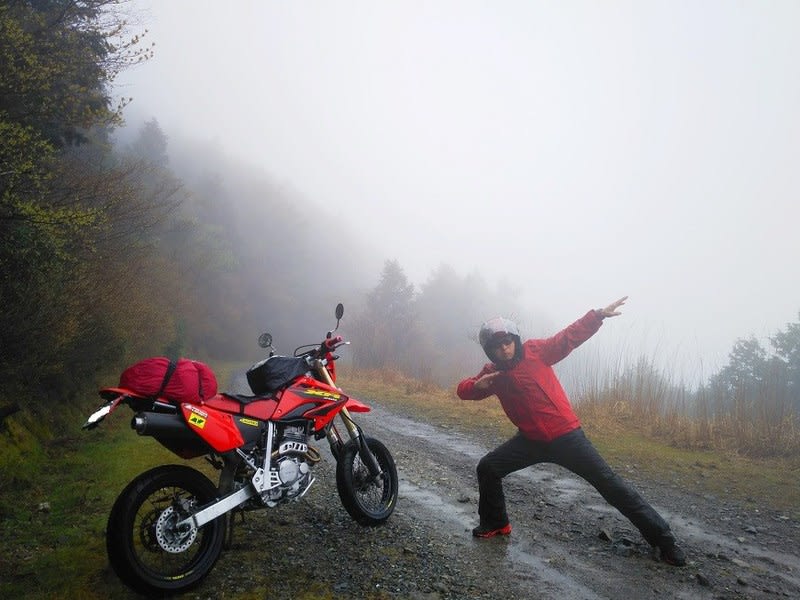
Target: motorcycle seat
{"x": 260, "y": 407}
{"x": 245, "y": 399}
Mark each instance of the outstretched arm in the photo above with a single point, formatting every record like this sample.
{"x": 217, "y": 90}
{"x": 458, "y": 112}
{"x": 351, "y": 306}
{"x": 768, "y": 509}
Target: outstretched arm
{"x": 561, "y": 344}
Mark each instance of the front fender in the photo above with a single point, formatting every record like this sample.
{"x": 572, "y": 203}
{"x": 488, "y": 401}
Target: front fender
{"x": 356, "y": 405}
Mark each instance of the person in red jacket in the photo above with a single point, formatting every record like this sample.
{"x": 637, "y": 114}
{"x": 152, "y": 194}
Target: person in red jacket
{"x": 522, "y": 377}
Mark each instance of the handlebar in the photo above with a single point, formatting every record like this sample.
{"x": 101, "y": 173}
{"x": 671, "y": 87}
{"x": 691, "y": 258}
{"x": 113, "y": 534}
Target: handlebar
{"x": 328, "y": 345}
{"x": 332, "y": 343}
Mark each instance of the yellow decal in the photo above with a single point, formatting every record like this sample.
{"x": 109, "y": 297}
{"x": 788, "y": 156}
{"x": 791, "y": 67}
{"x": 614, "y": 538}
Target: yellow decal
{"x": 197, "y": 421}
{"x": 322, "y": 393}
{"x": 252, "y": 422}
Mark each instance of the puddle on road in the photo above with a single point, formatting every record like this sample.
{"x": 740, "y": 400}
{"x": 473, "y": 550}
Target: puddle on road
{"x": 434, "y": 503}
{"x": 732, "y": 545}
{"x": 515, "y": 551}
{"x": 409, "y": 428}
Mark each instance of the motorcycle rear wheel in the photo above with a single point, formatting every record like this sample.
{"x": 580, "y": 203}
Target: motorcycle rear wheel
{"x": 369, "y": 500}
{"x": 138, "y": 518}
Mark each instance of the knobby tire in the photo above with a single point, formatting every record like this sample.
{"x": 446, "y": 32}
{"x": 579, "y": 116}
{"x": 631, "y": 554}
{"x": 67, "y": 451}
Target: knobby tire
{"x": 133, "y": 550}
{"x": 369, "y": 500}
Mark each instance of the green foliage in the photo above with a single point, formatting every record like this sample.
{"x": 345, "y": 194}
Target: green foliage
{"x": 23, "y": 158}
{"x": 52, "y": 527}
{"x": 757, "y": 394}
{"x": 21, "y": 455}
{"x": 387, "y": 323}
{"x": 787, "y": 350}
{"x": 57, "y": 59}
{"x": 750, "y": 366}
{"x": 746, "y": 366}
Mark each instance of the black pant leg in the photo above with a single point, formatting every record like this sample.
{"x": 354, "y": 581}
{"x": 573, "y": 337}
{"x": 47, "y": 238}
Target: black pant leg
{"x": 513, "y": 455}
{"x": 576, "y": 453}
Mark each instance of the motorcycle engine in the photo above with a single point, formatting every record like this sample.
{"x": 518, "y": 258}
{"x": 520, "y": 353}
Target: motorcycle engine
{"x": 292, "y": 467}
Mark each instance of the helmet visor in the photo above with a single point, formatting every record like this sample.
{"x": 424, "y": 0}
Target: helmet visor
{"x": 496, "y": 328}
{"x": 501, "y": 339}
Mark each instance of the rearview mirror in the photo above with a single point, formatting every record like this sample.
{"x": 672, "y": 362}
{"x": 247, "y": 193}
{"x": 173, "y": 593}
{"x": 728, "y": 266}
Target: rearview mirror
{"x": 265, "y": 340}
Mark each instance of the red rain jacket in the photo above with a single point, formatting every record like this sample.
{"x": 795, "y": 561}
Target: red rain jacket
{"x": 529, "y": 392}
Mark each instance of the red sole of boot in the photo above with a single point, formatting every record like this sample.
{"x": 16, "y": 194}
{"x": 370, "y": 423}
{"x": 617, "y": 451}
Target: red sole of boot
{"x": 502, "y": 531}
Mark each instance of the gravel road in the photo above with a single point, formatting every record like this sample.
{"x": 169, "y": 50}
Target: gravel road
{"x": 567, "y": 543}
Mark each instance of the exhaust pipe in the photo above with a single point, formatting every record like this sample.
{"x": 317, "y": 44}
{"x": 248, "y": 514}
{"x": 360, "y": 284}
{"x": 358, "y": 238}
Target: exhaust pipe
{"x": 160, "y": 425}
{"x": 171, "y": 431}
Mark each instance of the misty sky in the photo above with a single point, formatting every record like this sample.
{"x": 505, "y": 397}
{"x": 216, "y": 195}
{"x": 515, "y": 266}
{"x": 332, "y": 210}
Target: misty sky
{"x": 584, "y": 150}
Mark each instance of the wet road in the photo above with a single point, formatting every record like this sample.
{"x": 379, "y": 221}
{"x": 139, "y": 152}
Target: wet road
{"x": 555, "y": 550}
{"x": 559, "y": 547}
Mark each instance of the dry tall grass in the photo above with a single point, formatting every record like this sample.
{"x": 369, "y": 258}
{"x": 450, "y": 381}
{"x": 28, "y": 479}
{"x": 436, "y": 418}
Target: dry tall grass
{"x": 755, "y": 421}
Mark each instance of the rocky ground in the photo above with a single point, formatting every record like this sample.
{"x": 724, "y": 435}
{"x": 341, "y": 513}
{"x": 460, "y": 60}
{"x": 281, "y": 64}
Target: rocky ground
{"x": 567, "y": 543}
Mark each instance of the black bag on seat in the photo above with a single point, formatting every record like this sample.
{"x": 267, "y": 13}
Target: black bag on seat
{"x": 273, "y": 373}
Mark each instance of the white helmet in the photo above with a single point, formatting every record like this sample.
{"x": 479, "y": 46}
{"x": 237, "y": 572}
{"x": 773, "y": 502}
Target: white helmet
{"x": 497, "y": 328}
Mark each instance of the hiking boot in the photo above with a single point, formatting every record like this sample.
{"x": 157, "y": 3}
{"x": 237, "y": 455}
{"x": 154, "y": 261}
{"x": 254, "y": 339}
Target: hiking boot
{"x": 673, "y": 555}
{"x": 487, "y": 531}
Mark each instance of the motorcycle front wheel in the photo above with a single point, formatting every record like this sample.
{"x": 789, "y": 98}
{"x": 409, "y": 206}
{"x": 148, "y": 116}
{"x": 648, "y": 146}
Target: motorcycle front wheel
{"x": 369, "y": 500}
{"x": 145, "y": 551}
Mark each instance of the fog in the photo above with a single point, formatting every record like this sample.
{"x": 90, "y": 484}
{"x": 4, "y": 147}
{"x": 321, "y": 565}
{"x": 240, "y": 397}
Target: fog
{"x": 581, "y": 151}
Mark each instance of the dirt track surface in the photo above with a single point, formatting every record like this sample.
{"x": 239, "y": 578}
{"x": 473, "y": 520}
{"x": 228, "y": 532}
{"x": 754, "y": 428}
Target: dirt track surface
{"x": 556, "y": 550}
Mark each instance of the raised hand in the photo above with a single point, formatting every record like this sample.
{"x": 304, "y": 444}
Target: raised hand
{"x": 611, "y": 309}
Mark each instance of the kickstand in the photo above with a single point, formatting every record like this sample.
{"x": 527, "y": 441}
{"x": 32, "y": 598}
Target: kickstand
{"x": 231, "y": 521}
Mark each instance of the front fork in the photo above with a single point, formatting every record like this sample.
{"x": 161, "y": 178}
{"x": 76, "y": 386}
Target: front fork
{"x": 337, "y": 443}
{"x": 336, "y": 440}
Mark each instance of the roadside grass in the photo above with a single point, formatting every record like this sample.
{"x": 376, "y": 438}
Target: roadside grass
{"x": 52, "y": 533}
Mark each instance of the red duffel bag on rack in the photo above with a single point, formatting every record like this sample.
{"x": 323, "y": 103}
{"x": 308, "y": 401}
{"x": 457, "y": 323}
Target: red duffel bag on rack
{"x": 181, "y": 380}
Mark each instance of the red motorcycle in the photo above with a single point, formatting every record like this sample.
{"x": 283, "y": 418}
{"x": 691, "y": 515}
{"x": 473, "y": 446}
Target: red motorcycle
{"x": 168, "y": 526}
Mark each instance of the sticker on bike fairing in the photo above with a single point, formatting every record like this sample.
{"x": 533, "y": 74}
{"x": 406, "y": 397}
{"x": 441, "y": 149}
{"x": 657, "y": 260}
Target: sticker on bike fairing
{"x": 197, "y": 421}
{"x": 322, "y": 394}
{"x": 323, "y": 410}
{"x": 197, "y": 411}
{"x": 251, "y": 422}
